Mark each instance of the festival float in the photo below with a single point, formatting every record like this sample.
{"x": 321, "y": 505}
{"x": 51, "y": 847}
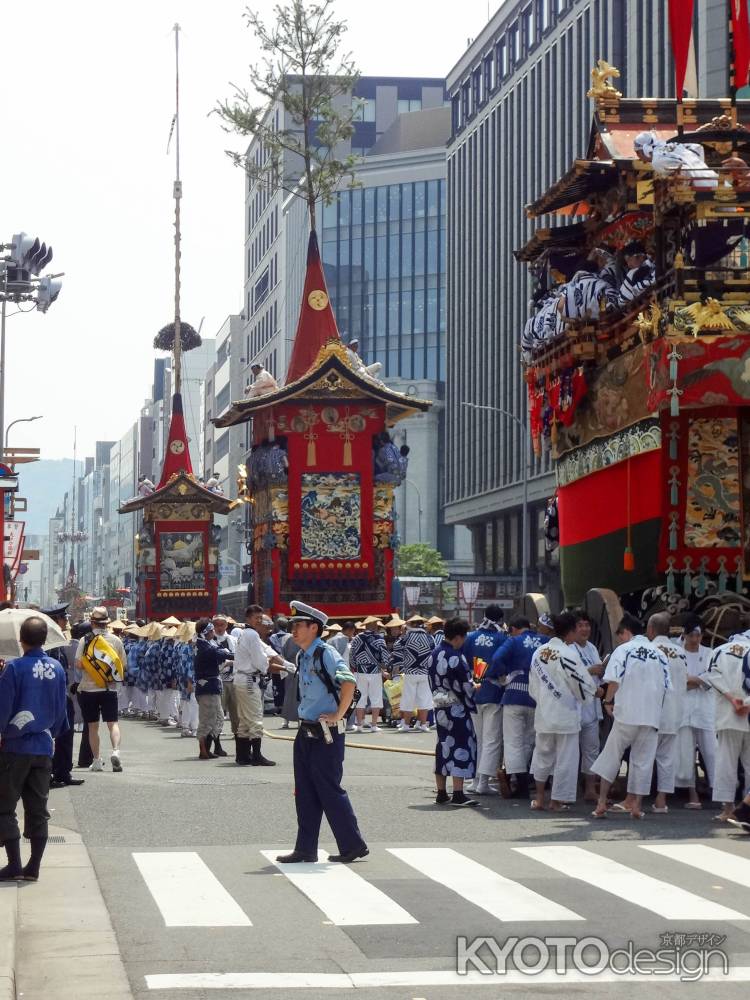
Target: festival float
{"x": 177, "y": 554}
{"x": 322, "y": 470}
{"x": 637, "y": 356}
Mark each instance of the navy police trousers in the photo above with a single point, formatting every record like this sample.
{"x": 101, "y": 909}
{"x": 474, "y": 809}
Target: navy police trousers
{"x": 318, "y": 770}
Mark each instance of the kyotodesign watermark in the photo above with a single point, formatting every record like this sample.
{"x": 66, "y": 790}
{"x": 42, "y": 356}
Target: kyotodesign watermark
{"x": 687, "y": 956}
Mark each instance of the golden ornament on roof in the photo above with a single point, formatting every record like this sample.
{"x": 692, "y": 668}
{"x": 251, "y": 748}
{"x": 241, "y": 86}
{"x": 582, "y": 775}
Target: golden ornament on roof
{"x": 600, "y": 86}
{"x": 317, "y": 299}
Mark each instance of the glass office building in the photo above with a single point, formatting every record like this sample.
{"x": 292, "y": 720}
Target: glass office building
{"x": 383, "y": 250}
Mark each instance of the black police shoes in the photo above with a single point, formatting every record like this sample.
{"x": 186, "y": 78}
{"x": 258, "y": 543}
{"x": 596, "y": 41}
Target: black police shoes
{"x": 346, "y": 859}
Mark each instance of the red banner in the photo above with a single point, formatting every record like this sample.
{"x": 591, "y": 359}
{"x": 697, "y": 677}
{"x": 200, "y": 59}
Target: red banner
{"x": 598, "y": 504}
{"x": 741, "y": 36}
{"x": 681, "y": 30}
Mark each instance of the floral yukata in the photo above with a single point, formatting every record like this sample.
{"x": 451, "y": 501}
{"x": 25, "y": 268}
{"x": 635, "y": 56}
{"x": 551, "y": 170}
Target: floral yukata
{"x": 453, "y": 693}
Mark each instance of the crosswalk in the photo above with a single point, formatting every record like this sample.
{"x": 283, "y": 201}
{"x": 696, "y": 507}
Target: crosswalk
{"x": 188, "y": 893}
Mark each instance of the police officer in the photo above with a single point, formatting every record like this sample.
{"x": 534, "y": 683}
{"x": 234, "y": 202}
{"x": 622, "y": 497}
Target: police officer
{"x": 318, "y": 763}
{"x": 62, "y": 759}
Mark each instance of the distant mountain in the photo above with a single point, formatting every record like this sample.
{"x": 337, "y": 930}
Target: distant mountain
{"x": 44, "y": 484}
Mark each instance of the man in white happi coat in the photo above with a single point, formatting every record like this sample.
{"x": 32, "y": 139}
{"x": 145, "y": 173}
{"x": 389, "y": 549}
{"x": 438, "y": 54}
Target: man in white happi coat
{"x": 637, "y": 678}
{"x": 263, "y": 382}
{"x": 591, "y": 709}
{"x": 687, "y": 159}
{"x": 559, "y": 683}
{"x": 672, "y": 710}
{"x": 728, "y": 679}
{"x": 698, "y": 728}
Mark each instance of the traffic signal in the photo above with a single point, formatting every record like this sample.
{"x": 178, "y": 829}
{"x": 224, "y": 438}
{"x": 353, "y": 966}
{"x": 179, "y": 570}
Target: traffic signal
{"x": 28, "y": 256}
{"x": 47, "y": 292}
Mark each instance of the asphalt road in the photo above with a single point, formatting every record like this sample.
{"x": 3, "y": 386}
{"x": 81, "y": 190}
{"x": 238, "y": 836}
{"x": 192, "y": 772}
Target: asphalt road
{"x": 170, "y": 829}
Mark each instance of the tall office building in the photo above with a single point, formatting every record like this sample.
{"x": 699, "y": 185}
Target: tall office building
{"x": 268, "y": 335}
{"x": 519, "y": 116}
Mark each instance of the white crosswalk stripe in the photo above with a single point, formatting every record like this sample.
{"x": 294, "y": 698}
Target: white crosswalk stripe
{"x": 629, "y": 884}
{"x": 345, "y": 897}
{"x": 187, "y": 892}
{"x": 731, "y": 867}
{"x": 499, "y": 896}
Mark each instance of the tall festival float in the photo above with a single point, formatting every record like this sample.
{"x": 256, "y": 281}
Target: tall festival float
{"x": 177, "y": 544}
{"x": 322, "y": 514}
{"x": 637, "y": 358}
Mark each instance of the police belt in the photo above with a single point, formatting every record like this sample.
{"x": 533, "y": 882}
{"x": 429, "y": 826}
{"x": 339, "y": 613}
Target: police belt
{"x": 315, "y": 730}
{"x": 312, "y": 728}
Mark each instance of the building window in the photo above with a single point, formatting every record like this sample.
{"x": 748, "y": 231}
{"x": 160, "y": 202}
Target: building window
{"x": 223, "y": 399}
{"x": 412, "y": 104}
{"x": 223, "y": 353}
{"x": 476, "y": 88}
{"x": 465, "y": 102}
{"x": 221, "y": 446}
{"x": 456, "y": 112}
{"x": 364, "y": 109}
{"x": 514, "y": 45}
{"x": 501, "y": 59}
{"x": 489, "y": 75}
{"x": 261, "y": 289}
{"x": 527, "y": 29}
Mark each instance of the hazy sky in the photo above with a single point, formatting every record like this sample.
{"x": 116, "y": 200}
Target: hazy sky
{"x": 85, "y": 109}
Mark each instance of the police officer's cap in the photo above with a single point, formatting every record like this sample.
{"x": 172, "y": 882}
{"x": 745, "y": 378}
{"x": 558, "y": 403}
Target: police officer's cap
{"x": 305, "y": 613}
{"x": 57, "y": 611}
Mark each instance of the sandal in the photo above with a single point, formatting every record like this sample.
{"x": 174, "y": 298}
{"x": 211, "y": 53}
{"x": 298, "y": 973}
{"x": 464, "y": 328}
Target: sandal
{"x": 693, "y": 805}
{"x": 617, "y": 807}
{"x": 562, "y": 808}
{"x": 599, "y": 814}
{"x": 638, "y": 815}
{"x": 659, "y": 809}
{"x": 536, "y": 805}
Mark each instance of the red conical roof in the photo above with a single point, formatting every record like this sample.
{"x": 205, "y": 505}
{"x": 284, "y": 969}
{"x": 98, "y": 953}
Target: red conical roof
{"x": 177, "y": 456}
{"x": 317, "y": 324}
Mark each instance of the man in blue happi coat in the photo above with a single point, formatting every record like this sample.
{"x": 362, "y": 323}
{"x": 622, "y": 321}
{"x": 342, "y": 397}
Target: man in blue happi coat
{"x": 32, "y": 713}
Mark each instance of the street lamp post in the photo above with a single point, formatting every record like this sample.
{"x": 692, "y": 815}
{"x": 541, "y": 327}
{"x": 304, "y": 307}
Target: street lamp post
{"x": 20, "y": 420}
{"x": 419, "y": 507}
{"x": 525, "y": 508}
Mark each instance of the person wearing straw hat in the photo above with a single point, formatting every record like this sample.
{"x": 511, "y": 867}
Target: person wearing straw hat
{"x": 97, "y": 703}
{"x": 185, "y": 658}
{"x": 436, "y": 628}
{"x": 368, "y": 658}
{"x": 411, "y": 657}
{"x": 326, "y": 689}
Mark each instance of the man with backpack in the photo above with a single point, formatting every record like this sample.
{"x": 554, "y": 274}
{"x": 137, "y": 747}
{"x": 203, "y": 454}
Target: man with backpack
{"x": 326, "y": 691}
{"x": 101, "y": 659}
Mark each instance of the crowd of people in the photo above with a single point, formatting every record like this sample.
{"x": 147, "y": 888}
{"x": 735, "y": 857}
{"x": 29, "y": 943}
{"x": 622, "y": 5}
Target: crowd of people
{"x": 530, "y": 712}
{"x": 540, "y": 704}
{"x": 520, "y": 710}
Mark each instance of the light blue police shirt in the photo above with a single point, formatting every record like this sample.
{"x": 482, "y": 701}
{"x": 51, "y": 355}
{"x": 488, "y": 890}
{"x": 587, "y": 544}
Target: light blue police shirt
{"x": 315, "y": 699}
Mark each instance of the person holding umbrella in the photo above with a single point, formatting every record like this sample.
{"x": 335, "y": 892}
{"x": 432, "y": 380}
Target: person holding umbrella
{"x": 32, "y": 711}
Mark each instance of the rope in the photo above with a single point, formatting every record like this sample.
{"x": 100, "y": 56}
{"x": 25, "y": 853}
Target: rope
{"x": 362, "y": 746}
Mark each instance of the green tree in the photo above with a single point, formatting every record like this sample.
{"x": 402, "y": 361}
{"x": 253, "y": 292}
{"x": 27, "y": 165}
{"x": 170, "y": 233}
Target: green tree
{"x": 303, "y": 70}
{"x": 420, "y": 559}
